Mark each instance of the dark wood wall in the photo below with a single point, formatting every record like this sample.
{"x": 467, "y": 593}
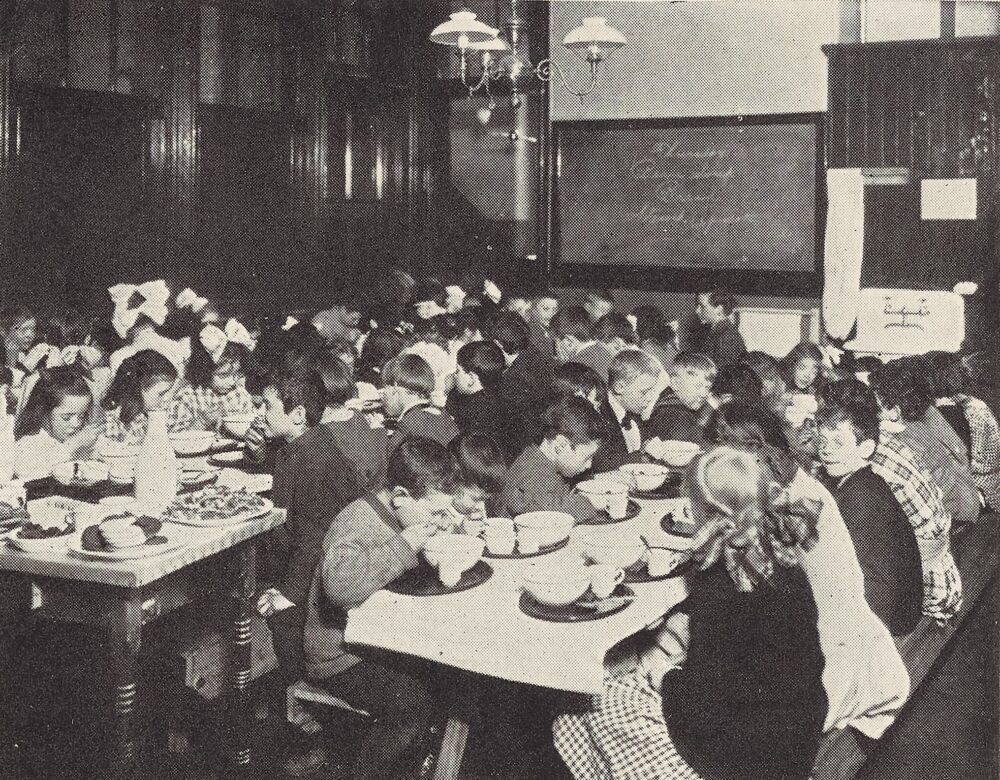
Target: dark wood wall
{"x": 264, "y": 150}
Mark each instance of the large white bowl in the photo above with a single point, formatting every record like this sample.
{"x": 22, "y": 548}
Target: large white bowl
{"x": 612, "y": 497}
{"x": 645, "y": 476}
{"x": 676, "y": 453}
{"x": 238, "y": 424}
{"x": 557, "y": 585}
{"x": 462, "y": 550}
{"x": 622, "y": 551}
{"x": 192, "y": 442}
{"x": 83, "y": 473}
{"x": 549, "y": 527}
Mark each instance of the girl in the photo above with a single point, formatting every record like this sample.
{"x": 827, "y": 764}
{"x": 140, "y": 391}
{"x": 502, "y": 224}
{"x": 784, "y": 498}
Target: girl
{"x": 19, "y": 328}
{"x": 216, "y": 382}
{"x": 139, "y": 311}
{"x": 55, "y": 425}
{"x": 801, "y": 368}
{"x": 484, "y": 469}
{"x": 143, "y": 383}
{"x": 739, "y": 693}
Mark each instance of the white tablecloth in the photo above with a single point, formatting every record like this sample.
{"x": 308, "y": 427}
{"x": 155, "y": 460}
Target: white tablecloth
{"x": 483, "y": 630}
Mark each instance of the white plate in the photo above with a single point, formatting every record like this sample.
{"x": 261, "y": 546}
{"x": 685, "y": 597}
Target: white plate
{"x": 226, "y": 521}
{"x": 229, "y": 457}
{"x": 174, "y": 540}
{"x": 35, "y": 546}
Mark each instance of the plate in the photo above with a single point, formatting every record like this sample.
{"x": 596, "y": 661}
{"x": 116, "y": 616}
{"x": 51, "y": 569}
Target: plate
{"x": 545, "y": 550}
{"x": 631, "y": 512}
{"x": 34, "y": 546}
{"x": 227, "y": 458}
{"x": 225, "y": 521}
{"x": 129, "y": 553}
{"x": 670, "y": 526}
{"x": 572, "y": 613}
{"x": 641, "y": 574}
{"x": 423, "y": 581}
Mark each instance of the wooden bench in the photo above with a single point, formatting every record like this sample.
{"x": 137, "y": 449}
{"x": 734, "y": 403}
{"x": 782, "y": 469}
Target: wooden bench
{"x": 841, "y": 756}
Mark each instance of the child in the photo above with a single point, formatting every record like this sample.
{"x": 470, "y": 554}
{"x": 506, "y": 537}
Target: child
{"x": 407, "y": 384}
{"x": 216, "y": 383}
{"x": 139, "y": 310}
{"x": 19, "y": 329}
{"x": 610, "y": 335}
{"x": 55, "y": 425}
{"x": 598, "y": 303}
{"x": 544, "y": 306}
{"x": 484, "y": 470}
{"x": 475, "y": 401}
{"x": 380, "y": 347}
{"x": 370, "y": 543}
{"x": 885, "y": 544}
{"x": 656, "y": 337}
{"x": 571, "y": 331}
{"x": 428, "y": 299}
{"x": 682, "y": 411}
{"x": 738, "y": 381}
{"x": 539, "y": 477}
{"x": 143, "y": 383}
{"x": 768, "y": 370}
{"x": 801, "y": 368}
{"x": 528, "y": 371}
{"x": 633, "y": 388}
{"x": 721, "y": 341}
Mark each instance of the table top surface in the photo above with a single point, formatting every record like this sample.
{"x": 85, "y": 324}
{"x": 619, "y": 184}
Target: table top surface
{"x": 483, "y": 629}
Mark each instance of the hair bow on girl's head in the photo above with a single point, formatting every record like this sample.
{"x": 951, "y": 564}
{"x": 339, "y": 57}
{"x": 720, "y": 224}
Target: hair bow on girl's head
{"x": 632, "y": 320}
{"x": 153, "y": 305}
{"x": 69, "y": 355}
{"x": 793, "y": 522}
{"x": 491, "y": 291}
{"x": 215, "y": 340}
{"x": 290, "y": 322}
{"x": 189, "y": 299}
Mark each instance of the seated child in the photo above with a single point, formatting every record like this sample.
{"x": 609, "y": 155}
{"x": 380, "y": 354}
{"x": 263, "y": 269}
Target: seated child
{"x": 571, "y": 332}
{"x": 801, "y": 368}
{"x": 598, "y": 302}
{"x": 544, "y": 305}
{"x": 370, "y": 543}
{"x": 539, "y": 478}
{"x": 768, "y": 371}
{"x": 407, "y": 384}
{"x": 55, "y": 425}
{"x": 738, "y": 382}
{"x": 610, "y": 335}
{"x": 885, "y": 544}
{"x": 143, "y": 383}
{"x": 655, "y": 335}
{"x": 633, "y": 388}
{"x": 428, "y": 299}
{"x": 484, "y": 470}
{"x": 216, "y": 384}
{"x": 475, "y": 401}
{"x": 568, "y": 380}
{"x": 682, "y": 411}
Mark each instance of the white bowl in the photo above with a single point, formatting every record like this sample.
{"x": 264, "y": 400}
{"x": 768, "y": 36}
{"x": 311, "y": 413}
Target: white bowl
{"x": 621, "y": 551}
{"x": 238, "y": 424}
{"x": 676, "y": 453}
{"x": 645, "y": 476}
{"x": 612, "y": 497}
{"x": 461, "y": 550}
{"x": 557, "y": 586}
{"x": 192, "y": 442}
{"x": 550, "y": 527}
{"x": 83, "y": 473}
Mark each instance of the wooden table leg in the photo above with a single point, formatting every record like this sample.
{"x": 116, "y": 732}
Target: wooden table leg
{"x": 239, "y": 719}
{"x": 456, "y": 734}
{"x": 126, "y": 640}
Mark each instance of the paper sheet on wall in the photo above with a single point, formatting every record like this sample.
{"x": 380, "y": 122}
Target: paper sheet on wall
{"x": 774, "y": 331}
{"x": 948, "y": 199}
{"x": 909, "y": 322}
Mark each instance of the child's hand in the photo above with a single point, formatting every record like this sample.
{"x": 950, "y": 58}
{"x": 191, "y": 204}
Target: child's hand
{"x": 417, "y": 535}
{"x": 255, "y": 437}
{"x": 37, "y": 354}
{"x": 85, "y": 438}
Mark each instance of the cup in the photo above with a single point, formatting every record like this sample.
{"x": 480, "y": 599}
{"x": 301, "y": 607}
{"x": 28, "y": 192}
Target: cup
{"x": 498, "y": 542}
{"x": 663, "y": 561}
{"x": 604, "y": 579}
{"x": 529, "y": 540}
{"x": 449, "y": 572}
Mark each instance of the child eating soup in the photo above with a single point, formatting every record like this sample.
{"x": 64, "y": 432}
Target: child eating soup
{"x": 143, "y": 383}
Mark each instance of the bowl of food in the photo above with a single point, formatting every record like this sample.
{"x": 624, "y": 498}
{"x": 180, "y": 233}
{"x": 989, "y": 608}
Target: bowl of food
{"x": 557, "y": 585}
{"x": 549, "y": 527}
{"x": 464, "y": 550}
{"x": 121, "y": 531}
{"x": 622, "y": 550}
{"x": 238, "y": 424}
{"x": 188, "y": 443}
{"x": 672, "y": 452}
{"x": 81, "y": 473}
{"x": 49, "y": 527}
{"x": 645, "y": 476}
{"x": 611, "y": 497}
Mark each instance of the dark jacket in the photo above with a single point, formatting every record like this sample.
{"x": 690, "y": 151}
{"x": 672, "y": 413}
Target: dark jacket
{"x": 481, "y": 412}
{"x": 672, "y": 420}
{"x": 425, "y": 422}
{"x": 723, "y": 343}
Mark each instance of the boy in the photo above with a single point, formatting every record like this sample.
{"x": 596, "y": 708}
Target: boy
{"x": 598, "y": 303}
{"x": 370, "y": 543}
{"x": 632, "y": 389}
{"x": 407, "y": 384}
{"x": 544, "y": 306}
{"x": 475, "y": 401}
{"x": 885, "y": 544}
{"x": 539, "y": 477}
{"x": 721, "y": 340}
{"x": 610, "y": 335}
{"x": 571, "y": 332}
{"x": 682, "y": 410}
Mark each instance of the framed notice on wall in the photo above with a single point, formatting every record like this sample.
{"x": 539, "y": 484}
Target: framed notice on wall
{"x": 736, "y": 200}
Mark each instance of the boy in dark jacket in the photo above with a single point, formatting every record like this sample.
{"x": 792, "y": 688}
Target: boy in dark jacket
{"x": 682, "y": 410}
{"x": 475, "y": 402}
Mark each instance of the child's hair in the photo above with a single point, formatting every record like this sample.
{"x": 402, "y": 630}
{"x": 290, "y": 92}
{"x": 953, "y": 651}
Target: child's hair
{"x": 573, "y": 321}
{"x": 862, "y": 418}
{"x": 629, "y": 364}
{"x": 510, "y": 332}
{"x": 694, "y": 361}
{"x": 805, "y": 350}
{"x": 296, "y": 382}
{"x": 53, "y": 387}
{"x": 600, "y": 294}
{"x": 848, "y": 392}
{"x": 482, "y": 462}
{"x": 757, "y": 429}
{"x": 740, "y": 382}
{"x": 949, "y": 375}
{"x": 766, "y": 367}
{"x": 336, "y": 379}
{"x": 576, "y": 379}
{"x": 420, "y": 466}
{"x": 380, "y": 347}
{"x": 573, "y": 418}
{"x": 650, "y": 323}
{"x": 201, "y": 367}
{"x": 428, "y": 289}
{"x": 611, "y": 326}
{"x": 339, "y": 346}
{"x": 133, "y": 376}
{"x": 411, "y": 372}
{"x": 485, "y": 360}
{"x": 14, "y": 316}
{"x": 898, "y": 384}
{"x": 722, "y": 298}
{"x": 543, "y": 293}
{"x": 466, "y": 320}
{"x": 70, "y": 328}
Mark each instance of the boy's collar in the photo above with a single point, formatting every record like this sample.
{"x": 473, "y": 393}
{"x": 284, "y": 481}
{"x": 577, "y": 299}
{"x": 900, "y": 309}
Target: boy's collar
{"x": 419, "y": 403}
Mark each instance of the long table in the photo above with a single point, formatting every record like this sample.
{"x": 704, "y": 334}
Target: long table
{"x": 122, "y": 597}
{"x": 483, "y": 630}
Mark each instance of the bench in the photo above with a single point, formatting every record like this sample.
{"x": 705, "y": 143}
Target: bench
{"x": 841, "y": 756}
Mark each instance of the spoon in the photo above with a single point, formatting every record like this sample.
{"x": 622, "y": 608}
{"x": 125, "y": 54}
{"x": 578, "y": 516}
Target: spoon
{"x": 649, "y": 546}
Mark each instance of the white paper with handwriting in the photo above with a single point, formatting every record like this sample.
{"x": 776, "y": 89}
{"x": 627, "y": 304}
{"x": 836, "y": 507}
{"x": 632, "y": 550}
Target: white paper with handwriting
{"x": 909, "y": 322}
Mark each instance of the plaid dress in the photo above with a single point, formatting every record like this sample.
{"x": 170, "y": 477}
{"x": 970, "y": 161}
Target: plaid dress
{"x": 985, "y": 447}
{"x": 922, "y": 502}
{"x": 131, "y": 434}
{"x": 202, "y": 409}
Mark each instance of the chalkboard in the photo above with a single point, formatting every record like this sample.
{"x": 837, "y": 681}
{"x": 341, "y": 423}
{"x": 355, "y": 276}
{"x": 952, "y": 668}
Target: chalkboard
{"x": 729, "y": 194}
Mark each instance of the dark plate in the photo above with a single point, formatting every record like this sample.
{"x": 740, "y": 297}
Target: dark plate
{"x": 423, "y": 581}
{"x": 549, "y": 548}
{"x": 667, "y": 524}
{"x": 640, "y": 574}
{"x": 631, "y": 512}
{"x": 572, "y": 613}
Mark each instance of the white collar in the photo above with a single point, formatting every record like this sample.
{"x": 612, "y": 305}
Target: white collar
{"x": 616, "y": 408}
{"x": 585, "y": 345}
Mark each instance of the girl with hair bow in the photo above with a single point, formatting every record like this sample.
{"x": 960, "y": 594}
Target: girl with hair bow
{"x": 216, "y": 387}
{"x": 142, "y": 384}
{"x": 139, "y": 311}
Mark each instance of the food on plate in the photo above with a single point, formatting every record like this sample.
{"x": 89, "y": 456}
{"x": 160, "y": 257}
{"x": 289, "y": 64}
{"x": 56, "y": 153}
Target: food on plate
{"x": 122, "y": 531}
{"x": 33, "y": 530}
{"x": 215, "y": 502}
{"x": 8, "y": 513}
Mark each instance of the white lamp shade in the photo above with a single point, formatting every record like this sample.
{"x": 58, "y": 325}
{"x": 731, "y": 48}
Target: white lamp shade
{"x": 462, "y": 29}
{"x": 594, "y": 33}
{"x": 497, "y": 44}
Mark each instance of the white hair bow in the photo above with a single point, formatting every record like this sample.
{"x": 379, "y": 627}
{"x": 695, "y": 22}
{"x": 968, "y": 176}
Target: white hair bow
{"x": 632, "y": 320}
{"x": 215, "y": 340}
{"x": 154, "y": 304}
{"x": 189, "y": 299}
{"x": 491, "y": 291}
{"x": 290, "y": 322}
{"x": 69, "y": 355}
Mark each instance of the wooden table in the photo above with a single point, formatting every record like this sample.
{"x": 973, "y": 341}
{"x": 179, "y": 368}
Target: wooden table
{"x": 123, "y": 597}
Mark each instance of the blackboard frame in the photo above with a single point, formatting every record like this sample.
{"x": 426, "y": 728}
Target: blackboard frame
{"x": 780, "y": 283}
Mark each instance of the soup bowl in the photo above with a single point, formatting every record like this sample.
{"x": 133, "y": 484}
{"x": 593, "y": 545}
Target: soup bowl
{"x": 624, "y": 550}
{"x": 557, "y": 585}
{"x": 645, "y": 476}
